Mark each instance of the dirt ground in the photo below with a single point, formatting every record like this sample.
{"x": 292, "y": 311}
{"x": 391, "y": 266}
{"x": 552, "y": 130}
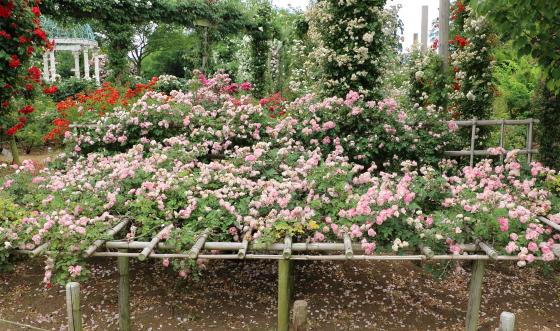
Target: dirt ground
{"x": 352, "y": 295}
{"x": 242, "y": 295}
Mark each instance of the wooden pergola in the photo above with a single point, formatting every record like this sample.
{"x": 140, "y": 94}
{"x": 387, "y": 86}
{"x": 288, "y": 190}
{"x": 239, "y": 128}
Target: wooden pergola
{"x": 286, "y": 253}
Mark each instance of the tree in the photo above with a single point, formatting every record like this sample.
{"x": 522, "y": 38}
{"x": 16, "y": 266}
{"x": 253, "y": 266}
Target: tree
{"x": 152, "y": 37}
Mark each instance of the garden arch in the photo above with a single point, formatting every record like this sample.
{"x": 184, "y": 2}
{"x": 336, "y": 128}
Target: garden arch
{"x": 79, "y": 38}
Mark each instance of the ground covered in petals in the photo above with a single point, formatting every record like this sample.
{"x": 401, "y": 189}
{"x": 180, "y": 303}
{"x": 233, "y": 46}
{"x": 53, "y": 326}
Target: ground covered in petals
{"x": 354, "y": 295}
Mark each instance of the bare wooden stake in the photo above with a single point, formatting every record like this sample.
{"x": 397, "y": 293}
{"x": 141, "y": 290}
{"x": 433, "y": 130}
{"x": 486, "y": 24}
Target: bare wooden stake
{"x": 299, "y": 320}
{"x": 475, "y": 295}
{"x": 124, "y": 291}
{"x": 73, "y": 306}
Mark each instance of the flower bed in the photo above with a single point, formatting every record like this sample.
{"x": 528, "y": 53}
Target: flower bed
{"x": 307, "y": 173}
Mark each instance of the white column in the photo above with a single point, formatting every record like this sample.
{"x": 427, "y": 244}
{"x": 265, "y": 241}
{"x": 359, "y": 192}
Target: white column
{"x": 424, "y": 35}
{"x": 443, "y": 49}
{"x": 86, "y": 63}
{"x": 76, "y": 63}
{"x": 53, "y": 67}
{"x": 46, "y": 67}
{"x": 96, "y": 64}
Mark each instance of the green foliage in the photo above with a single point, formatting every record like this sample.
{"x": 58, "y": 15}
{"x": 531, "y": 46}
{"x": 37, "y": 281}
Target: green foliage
{"x": 548, "y": 130}
{"x": 533, "y": 26}
{"x": 72, "y": 86}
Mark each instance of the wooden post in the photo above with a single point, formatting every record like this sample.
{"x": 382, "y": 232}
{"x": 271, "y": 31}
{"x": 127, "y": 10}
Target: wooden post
{"x": 300, "y": 316}
{"x": 443, "y": 49}
{"x": 424, "y": 30}
{"x": 507, "y": 321}
{"x": 284, "y": 294}
{"x": 475, "y": 295}
{"x": 415, "y": 40}
{"x": 73, "y": 306}
{"x": 124, "y": 291}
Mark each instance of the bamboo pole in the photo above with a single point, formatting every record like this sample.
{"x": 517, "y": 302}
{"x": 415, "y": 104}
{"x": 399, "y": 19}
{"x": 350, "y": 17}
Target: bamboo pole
{"x": 556, "y": 250}
{"x": 73, "y": 306}
{"x": 427, "y": 251}
{"x": 15, "y": 152}
{"x": 287, "y": 246}
{"x": 199, "y": 244}
{"x": 146, "y": 251}
{"x": 502, "y": 138}
{"x": 299, "y": 321}
{"x": 243, "y": 250}
{"x": 529, "y": 140}
{"x": 493, "y": 122}
{"x": 39, "y": 249}
{"x": 475, "y": 295}
{"x": 473, "y": 137}
{"x": 235, "y": 246}
{"x": 483, "y": 152}
{"x": 549, "y": 222}
{"x": 124, "y": 291}
{"x": 348, "y": 247}
{"x": 283, "y": 295}
{"x": 23, "y": 325}
{"x": 96, "y": 244}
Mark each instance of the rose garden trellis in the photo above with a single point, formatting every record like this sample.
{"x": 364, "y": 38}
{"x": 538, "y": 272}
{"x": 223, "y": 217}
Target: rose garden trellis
{"x": 289, "y": 251}
{"x": 343, "y": 251}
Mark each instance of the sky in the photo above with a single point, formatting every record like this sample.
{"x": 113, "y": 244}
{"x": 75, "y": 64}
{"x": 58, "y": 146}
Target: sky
{"x": 410, "y": 14}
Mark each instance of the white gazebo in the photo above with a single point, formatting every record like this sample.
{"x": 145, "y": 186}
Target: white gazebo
{"x": 77, "y": 39}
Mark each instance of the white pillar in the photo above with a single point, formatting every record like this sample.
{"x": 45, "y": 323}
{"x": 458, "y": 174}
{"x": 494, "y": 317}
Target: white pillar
{"x": 424, "y": 35}
{"x": 96, "y": 64}
{"x": 443, "y": 49}
{"x": 53, "y": 67}
{"x": 46, "y": 67}
{"x": 76, "y": 63}
{"x": 86, "y": 63}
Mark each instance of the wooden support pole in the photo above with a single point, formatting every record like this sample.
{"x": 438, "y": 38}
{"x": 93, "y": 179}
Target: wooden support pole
{"x": 299, "y": 322}
{"x": 443, "y": 49}
{"x": 507, "y": 321}
{"x": 291, "y": 277}
{"x": 124, "y": 291}
{"x": 424, "y": 29}
{"x": 529, "y": 143}
{"x": 73, "y": 306}
{"x": 284, "y": 294}
{"x": 473, "y": 138}
{"x": 475, "y": 295}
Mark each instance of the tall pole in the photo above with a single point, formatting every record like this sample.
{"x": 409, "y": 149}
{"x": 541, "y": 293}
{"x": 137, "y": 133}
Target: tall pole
{"x": 124, "y": 291}
{"x": 424, "y": 31}
{"x": 443, "y": 49}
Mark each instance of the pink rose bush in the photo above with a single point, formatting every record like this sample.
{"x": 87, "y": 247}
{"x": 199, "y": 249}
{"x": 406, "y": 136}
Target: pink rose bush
{"x": 206, "y": 159}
